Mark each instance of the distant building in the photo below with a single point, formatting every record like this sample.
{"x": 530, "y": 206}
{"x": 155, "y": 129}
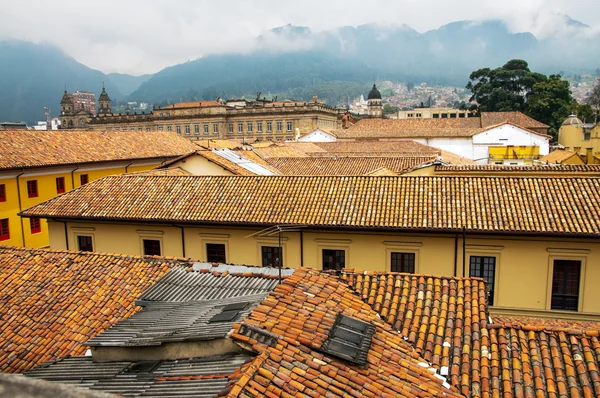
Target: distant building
{"x": 581, "y": 138}
{"x": 374, "y": 103}
{"x": 78, "y": 108}
{"x": 13, "y": 126}
{"x": 433, "y": 113}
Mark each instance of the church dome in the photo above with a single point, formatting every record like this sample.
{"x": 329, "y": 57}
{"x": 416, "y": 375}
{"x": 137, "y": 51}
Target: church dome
{"x": 104, "y": 95}
{"x": 66, "y": 99}
{"x": 374, "y": 93}
{"x": 572, "y": 121}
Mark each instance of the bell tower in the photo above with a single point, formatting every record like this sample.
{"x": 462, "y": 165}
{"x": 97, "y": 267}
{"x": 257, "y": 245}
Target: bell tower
{"x": 104, "y": 103}
{"x": 374, "y": 103}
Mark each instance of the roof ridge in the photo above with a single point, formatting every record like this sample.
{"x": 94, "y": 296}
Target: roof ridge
{"x": 392, "y": 273}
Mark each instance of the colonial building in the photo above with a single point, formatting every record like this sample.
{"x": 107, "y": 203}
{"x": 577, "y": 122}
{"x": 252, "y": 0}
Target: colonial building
{"x": 433, "y": 113}
{"x": 77, "y": 109}
{"x": 38, "y": 165}
{"x": 581, "y": 138}
{"x": 522, "y": 234}
{"x": 374, "y": 103}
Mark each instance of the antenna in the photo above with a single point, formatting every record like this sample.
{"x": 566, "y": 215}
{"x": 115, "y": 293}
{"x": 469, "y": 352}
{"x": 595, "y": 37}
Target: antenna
{"x": 278, "y": 229}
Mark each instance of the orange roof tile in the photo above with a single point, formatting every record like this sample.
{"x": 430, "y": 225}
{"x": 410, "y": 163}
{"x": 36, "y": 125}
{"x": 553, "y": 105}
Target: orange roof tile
{"x": 54, "y": 301}
{"x": 515, "y": 205}
{"x": 346, "y": 166}
{"x": 593, "y": 169}
{"x": 411, "y": 128}
{"x": 517, "y": 118}
{"x": 33, "y": 148}
{"x": 193, "y": 104}
{"x": 298, "y": 317}
{"x": 557, "y": 156}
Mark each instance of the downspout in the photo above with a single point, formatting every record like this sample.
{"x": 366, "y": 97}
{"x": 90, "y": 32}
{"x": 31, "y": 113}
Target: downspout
{"x": 21, "y": 207}
{"x": 73, "y": 177}
{"x": 455, "y": 254}
{"x": 182, "y": 240}
{"x": 66, "y": 236}
{"x": 301, "y": 249}
{"x": 126, "y": 167}
{"x": 464, "y": 251}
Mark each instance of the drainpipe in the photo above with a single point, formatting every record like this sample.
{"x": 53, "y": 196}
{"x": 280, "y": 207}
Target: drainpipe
{"x": 464, "y": 251}
{"x": 182, "y": 240}
{"x": 301, "y": 249}
{"x": 66, "y": 236}
{"x": 126, "y": 167}
{"x": 455, "y": 254}
{"x": 73, "y": 177}
{"x": 20, "y": 207}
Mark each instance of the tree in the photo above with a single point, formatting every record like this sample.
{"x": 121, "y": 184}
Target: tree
{"x": 389, "y": 109}
{"x": 503, "y": 89}
{"x": 583, "y": 111}
{"x": 550, "y": 102}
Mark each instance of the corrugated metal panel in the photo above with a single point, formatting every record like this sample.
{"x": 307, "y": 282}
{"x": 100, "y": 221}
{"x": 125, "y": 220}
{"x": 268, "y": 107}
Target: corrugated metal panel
{"x": 165, "y": 322}
{"x": 243, "y": 162}
{"x": 180, "y": 378}
{"x": 180, "y": 284}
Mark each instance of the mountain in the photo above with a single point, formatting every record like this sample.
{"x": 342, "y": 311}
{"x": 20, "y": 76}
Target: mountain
{"x": 33, "y": 76}
{"x": 127, "y": 84}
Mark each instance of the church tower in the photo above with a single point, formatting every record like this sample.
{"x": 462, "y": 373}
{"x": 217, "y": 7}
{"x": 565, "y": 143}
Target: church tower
{"x": 374, "y": 103}
{"x": 66, "y": 104}
{"x": 104, "y": 103}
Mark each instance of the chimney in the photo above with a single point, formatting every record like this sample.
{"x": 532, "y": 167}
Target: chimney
{"x": 577, "y": 150}
{"x": 589, "y": 156}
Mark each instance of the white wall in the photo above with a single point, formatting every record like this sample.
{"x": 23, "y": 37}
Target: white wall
{"x": 508, "y": 134}
{"x": 317, "y": 136}
{"x": 458, "y": 146}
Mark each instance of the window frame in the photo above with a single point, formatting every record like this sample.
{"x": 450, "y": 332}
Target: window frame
{"x": 224, "y": 246}
{"x": 187, "y": 129}
{"x": 215, "y": 128}
{"x": 269, "y": 127}
{"x": 259, "y": 127}
{"x": 35, "y": 225}
{"x": 240, "y": 128}
{"x": 249, "y": 127}
{"x": 230, "y": 128}
{"x": 84, "y": 179}
{"x": 289, "y": 127}
{"x": 268, "y": 255}
{"x": 2, "y": 192}
{"x": 196, "y": 129}
{"x": 491, "y": 291}
{"x": 403, "y": 255}
{"x": 178, "y": 129}
{"x": 32, "y": 189}
{"x": 4, "y": 229}
{"x": 335, "y": 257}
{"x": 564, "y": 294}
{"x": 279, "y": 126}
{"x": 205, "y": 129}
{"x": 144, "y": 247}
{"x": 78, "y": 242}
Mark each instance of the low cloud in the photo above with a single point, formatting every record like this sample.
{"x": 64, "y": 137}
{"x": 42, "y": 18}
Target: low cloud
{"x": 138, "y": 36}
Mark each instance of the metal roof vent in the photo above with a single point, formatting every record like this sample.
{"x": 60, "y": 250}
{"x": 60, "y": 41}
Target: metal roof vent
{"x": 349, "y": 339}
{"x": 228, "y": 313}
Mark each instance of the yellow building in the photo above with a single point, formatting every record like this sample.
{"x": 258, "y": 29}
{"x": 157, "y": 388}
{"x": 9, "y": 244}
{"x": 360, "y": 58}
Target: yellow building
{"x": 36, "y": 166}
{"x": 434, "y": 113}
{"x": 488, "y": 170}
{"x": 581, "y": 138}
{"x": 561, "y": 156}
{"x": 534, "y": 239}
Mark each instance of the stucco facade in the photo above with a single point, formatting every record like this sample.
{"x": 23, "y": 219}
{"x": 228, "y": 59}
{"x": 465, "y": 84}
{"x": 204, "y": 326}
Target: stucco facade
{"x": 522, "y": 273}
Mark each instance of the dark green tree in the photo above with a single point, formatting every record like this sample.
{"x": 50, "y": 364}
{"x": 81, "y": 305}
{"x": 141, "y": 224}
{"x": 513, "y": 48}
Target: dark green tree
{"x": 503, "y": 89}
{"x": 583, "y": 111}
{"x": 550, "y": 102}
{"x": 389, "y": 109}
{"x": 594, "y": 98}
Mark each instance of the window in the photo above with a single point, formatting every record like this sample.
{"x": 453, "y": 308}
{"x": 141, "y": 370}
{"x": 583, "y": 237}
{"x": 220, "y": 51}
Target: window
{"x": 178, "y": 129}
{"x": 403, "y": 262}
{"x": 215, "y": 253}
{"x": 249, "y": 127}
{"x": 565, "y": 285}
{"x": 196, "y": 129}
{"x": 83, "y": 179}
{"x": 240, "y": 128}
{"x": 436, "y": 115}
{"x": 160, "y": 128}
{"x": 215, "y": 128}
{"x": 187, "y": 129}
{"x": 151, "y": 247}
{"x": 279, "y": 126}
{"x": 453, "y": 116}
{"x": 84, "y": 243}
{"x": 4, "y": 232}
{"x": 271, "y": 256}
{"x": 206, "y": 129}
{"x": 587, "y": 135}
{"x": 35, "y": 225}
{"x": 334, "y": 259}
{"x": 485, "y": 267}
{"x": 147, "y": 129}
{"x": 259, "y": 127}
{"x": 230, "y": 128}
{"x": 169, "y": 128}
{"x": 269, "y": 127}
{"x": 2, "y": 193}
{"x": 32, "y": 190}
{"x": 444, "y": 116}
{"x": 461, "y": 115}
{"x": 289, "y": 126}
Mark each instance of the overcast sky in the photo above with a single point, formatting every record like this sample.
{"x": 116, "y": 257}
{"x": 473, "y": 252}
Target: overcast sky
{"x": 144, "y": 36}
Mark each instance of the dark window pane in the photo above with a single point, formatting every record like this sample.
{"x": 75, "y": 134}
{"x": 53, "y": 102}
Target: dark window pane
{"x": 84, "y": 243}
{"x": 334, "y": 259}
{"x": 215, "y": 253}
{"x": 32, "y": 191}
{"x": 565, "y": 285}
{"x": 403, "y": 262}
{"x": 83, "y": 179}
{"x": 271, "y": 256}
{"x": 485, "y": 267}
{"x": 60, "y": 184}
{"x": 4, "y": 231}
{"x": 151, "y": 247}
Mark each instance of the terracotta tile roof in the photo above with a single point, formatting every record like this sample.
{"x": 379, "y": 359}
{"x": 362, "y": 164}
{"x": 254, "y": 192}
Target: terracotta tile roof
{"x": 54, "y": 301}
{"x": 171, "y": 171}
{"x": 383, "y": 171}
{"x": 528, "y": 205}
{"x": 445, "y": 319}
{"x": 442, "y": 317}
{"x": 557, "y": 156}
{"x": 194, "y": 104}
{"x": 219, "y": 144}
{"x": 346, "y": 166}
{"x": 517, "y": 118}
{"x": 286, "y": 150}
{"x": 550, "y": 323}
{"x": 403, "y": 146}
{"x": 453, "y": 158}
{"x": 288, "y": 330}
{"x": 537, "y": 169}
{"x": 33, "y": 148}
{"x": 411, "y": 128}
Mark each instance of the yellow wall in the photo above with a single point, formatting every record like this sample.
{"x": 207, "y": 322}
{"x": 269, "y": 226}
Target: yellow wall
{"x": 572, "y": 138}
{"x": 523, "y": 264}
{"x": 46, "y": 182}
{"x": 197, "y": 165}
